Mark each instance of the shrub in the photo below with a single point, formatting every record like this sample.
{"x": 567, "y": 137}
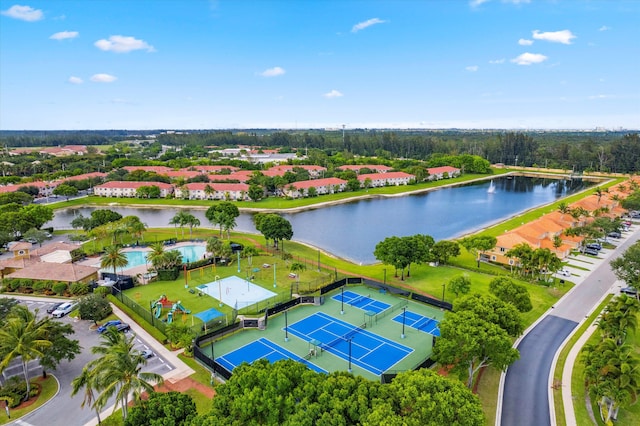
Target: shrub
{"x": 16, "y": 390}
{"x": 13, "y": 284}
{"x": 94, "y": 307}
{"x": 79, "y": 289}
{"x": 102, "y": 291}
{"x": 39, "y": 286}
{"x": 59, "y": 288}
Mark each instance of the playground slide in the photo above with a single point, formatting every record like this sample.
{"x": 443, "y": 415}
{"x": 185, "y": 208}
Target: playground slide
{"x": 169, "y": 317}
{"x": 158, "y": 310}
{"x": 178, "y": 306}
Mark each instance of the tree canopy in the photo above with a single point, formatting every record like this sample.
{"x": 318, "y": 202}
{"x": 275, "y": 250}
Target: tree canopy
{"x": 509, "y": 291}
{"x": 627, "y": 266}
{"x": 273, "y": 227}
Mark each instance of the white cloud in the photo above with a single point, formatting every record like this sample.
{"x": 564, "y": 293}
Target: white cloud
{"x": 75, "y": 80}
{"x": 63, "y": 35}
{"x": 472, "y": 68}
{"x": 564, "y": 36}
{"x": 333, "y": 94}
{"x": 362, "y": 25}
{"x": 123, "y": 44}
{"x": 529, "y": 58}
{"x": 604, "y": 28}
{"x": 24, "y": 13}
{"x": 497, "y": 61}
{"x": 103, "y": 78}
{"x": 525, "y": 42}
{"x": 273, "y": 72}
{"x": 476, "y": 3}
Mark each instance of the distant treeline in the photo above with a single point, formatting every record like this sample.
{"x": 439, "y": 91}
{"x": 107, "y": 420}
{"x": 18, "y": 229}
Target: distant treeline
{"x": 571, "y": 150}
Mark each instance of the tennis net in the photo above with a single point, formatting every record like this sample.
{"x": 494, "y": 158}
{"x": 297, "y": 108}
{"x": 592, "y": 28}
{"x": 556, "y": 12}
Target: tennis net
{"x": 394, "y": 308}
{"x": 358, "y": 299}
{"x": 344, "y": 337}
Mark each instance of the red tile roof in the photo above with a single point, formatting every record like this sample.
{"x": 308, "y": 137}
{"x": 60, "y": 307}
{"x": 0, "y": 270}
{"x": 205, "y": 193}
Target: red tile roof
{"x": 315, "y": 183}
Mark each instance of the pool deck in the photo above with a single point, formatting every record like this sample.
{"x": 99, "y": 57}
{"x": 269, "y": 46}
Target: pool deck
{"x": 142, "y": 269}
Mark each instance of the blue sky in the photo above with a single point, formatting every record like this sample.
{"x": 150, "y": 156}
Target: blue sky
{"x": 195, "y": 64}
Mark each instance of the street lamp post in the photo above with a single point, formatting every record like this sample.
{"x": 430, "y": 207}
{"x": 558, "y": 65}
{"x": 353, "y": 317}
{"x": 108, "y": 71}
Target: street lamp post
{"x": 217, "y": 278}
{"x": 342, "y": 301}
{"x": 238, "y": 253}
{"x": 444, "y": 286}
{"x": 349, "y": 355}
{"x": 286, "y": 327}
{"x": 274, "y": 275}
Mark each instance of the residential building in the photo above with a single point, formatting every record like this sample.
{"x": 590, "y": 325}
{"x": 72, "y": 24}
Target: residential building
{"x": 119, "y": 188}
{"x": 386, "y": 179}
{"x": 215, "y": 191}
{"x": 322, "y": 186}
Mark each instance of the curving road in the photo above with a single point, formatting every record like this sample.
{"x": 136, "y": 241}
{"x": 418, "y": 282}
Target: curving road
{"x": 525, "y": 400}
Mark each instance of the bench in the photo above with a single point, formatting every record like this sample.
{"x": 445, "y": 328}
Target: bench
{"x": 292, "y": 275}
{"x": 266, "y": 265}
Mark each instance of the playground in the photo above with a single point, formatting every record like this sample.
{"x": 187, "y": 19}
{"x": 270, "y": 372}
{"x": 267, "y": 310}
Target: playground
{"x": 339, "y": 336}
{"x": 173, "y": 309}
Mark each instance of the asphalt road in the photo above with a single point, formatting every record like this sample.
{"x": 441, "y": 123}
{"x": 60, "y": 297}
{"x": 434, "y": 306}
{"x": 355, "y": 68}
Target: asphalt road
{"x": 64, "y": 410}
{"x": 525, "y": 400}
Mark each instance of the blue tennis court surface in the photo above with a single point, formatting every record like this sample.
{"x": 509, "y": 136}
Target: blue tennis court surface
{"x": 262, "y": 348}
{"x": 419, "y": 322}
{"x": 365, "y": 303}
{"x": 370, "y": 351}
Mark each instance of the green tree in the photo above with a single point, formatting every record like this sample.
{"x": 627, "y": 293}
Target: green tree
{"x": 156, "y": 255}
{"x": 224, "y": 215}
{"x": 460, "y": 284}
{"x": 493, "y": 310}
{"x": 94, "y": 308}
{"x": 511, "y": 292}
{"x": 192, "y": 222}
{"x": 23, "y": 336}
{"x": 214, "y": 244}
{"x": 468, "y": 343}
{"x": 103, "y": 216}
{"x": 113, "y": 257}
{"x": 62, "y": 347}
{"x": 273, "y": 227}
{"x": 118, "y": 370}
{"x": 179, "y": 219}
{"x": 37, "y": 215}
{"x": 443, "y": 250}
{"x": 65, "y": 190}
{"x": 423, "y": 397}
{"x": 163, "y": 409}
{"x": 626, "y": 267}
{"x": 478, "y": 244}
{"x": 256, "y": 192}
{"x": 87, "y": 381}
{"x": 36, "y": 234}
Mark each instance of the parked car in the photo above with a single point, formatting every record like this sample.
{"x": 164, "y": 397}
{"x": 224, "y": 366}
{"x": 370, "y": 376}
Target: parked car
{"x": 592, "y": 252}
{"x": 614, "y": 235}
{"x": 595, "y": 246}
{"x": 53, "y": 307}
{"x": 111, "y": 323}
{"x": 631, "y": 291}
{"x": 123, "y": 327}
{"x": 63, "y": 309}
{"x": 564, "y": 272}
{"x": 147, "y": 353}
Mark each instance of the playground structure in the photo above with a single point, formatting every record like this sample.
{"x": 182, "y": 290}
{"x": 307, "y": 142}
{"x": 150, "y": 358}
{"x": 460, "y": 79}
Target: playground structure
{"x": 174, "y": 307}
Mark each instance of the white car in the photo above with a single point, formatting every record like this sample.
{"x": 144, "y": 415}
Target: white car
{"x": 63, "y": 309}
{"x": 564, "y": 272}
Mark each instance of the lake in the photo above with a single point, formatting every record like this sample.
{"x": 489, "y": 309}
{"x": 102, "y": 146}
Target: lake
{"x": 352, "y": 230}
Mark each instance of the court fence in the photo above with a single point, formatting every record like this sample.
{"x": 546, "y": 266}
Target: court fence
{"x": 281, "y": 303}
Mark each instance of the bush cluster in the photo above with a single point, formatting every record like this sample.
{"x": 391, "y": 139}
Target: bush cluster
{"x": 16, "y": 391}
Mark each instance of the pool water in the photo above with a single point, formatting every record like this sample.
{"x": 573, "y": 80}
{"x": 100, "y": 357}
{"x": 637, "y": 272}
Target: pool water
{"x": 189, "y": 254}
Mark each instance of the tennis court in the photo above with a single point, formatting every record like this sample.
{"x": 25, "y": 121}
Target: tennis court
{"x": 259, "y": 349}
{"x": 419, "y": 322}
{"x": 366, "y": 303}
{"x": 370, "y": 351}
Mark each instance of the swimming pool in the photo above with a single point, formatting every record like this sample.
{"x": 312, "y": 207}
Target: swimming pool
{"x": 189, "y": 254}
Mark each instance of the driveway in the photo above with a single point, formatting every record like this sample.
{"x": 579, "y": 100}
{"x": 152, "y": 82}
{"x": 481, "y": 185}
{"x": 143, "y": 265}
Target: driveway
{"x": 63, "y": 407}
{"x": 525, "y": 400}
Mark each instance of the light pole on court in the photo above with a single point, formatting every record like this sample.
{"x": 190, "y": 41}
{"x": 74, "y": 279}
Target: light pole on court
{"x": 274, "y": 275}
{"x": 342, "y": 301}
{"x": 286, "y": 327}
{"x": 349, "y": 355}
{"x": 404, "y": 316}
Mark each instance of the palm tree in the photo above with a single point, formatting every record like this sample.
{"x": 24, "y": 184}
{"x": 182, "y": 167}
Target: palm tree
{"x": 136, "y": 227}
{"x": 172, "y": 259}
{"x": 214, "y": 245}
{"x": 113, "y": 257}
{"x": 87, "y": 380}
{"x": 564, "y": 209}
{"x": 208, "y": 191}
{"x": 156, "y": 255}
{"x": 192, "y": 222}
{"x": 118, "y": 372}
{"x": 249, "y": 252}
{"x": 24, "y": 336}
{"x": 179, "y": 220}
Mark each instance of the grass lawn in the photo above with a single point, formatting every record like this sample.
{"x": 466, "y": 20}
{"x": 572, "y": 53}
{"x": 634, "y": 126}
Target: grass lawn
{"x": 49, "y": 388}
{"x": 487, "y": 391}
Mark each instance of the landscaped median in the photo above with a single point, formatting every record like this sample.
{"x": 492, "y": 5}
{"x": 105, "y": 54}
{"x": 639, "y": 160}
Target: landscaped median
{"x": 47, "y": 389}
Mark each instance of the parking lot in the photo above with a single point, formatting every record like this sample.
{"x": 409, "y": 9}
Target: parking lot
{"x": 65, "y": 406}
